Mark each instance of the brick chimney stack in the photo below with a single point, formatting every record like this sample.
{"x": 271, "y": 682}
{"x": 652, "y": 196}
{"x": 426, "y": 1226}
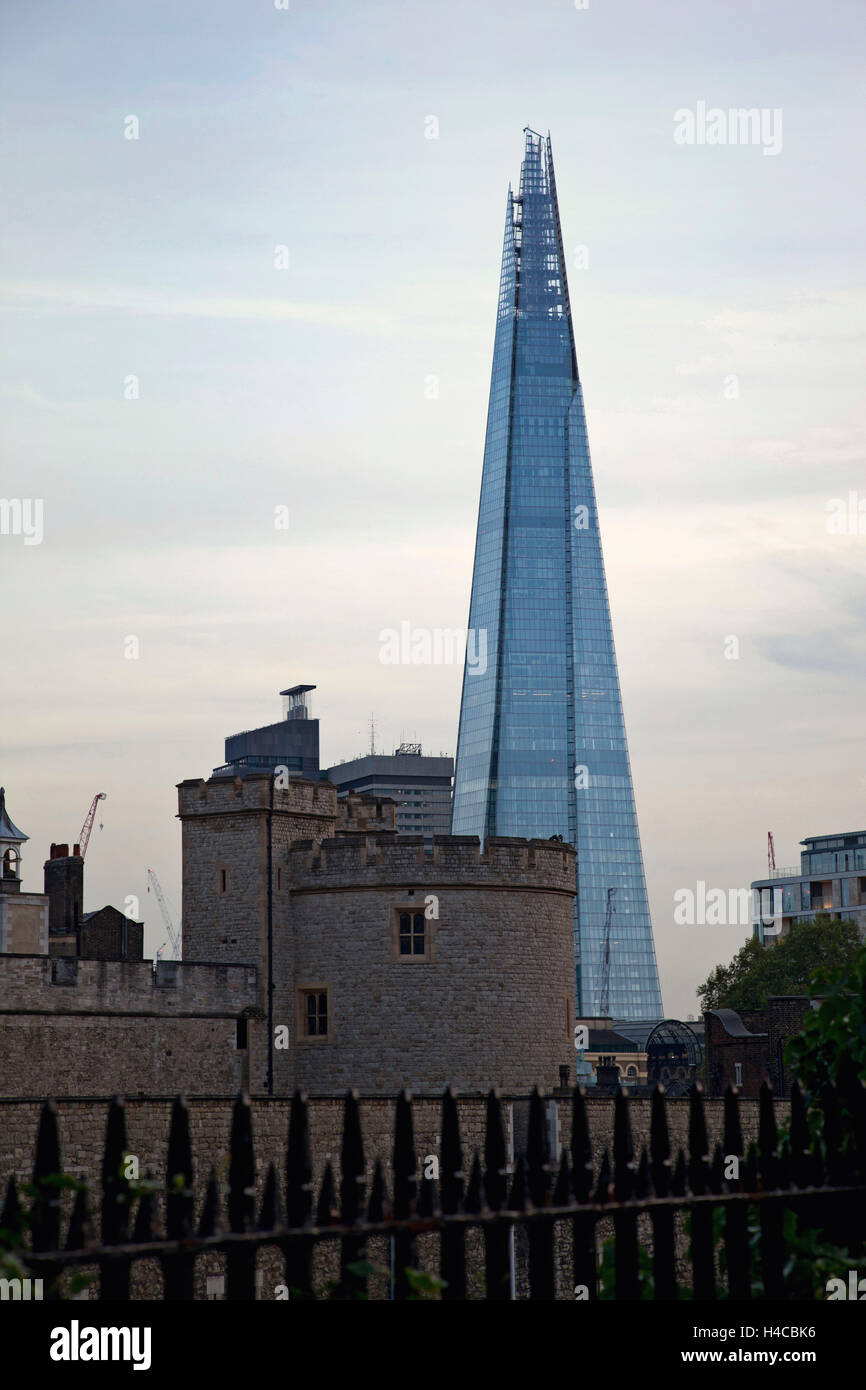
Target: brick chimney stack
{"x": 64, "y": 885}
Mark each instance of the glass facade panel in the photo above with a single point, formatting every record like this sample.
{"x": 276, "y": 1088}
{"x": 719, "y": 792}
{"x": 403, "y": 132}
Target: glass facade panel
{"x": 542, "y": 747}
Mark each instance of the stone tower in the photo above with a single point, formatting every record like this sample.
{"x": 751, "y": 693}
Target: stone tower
{"x": 382, "y": 962}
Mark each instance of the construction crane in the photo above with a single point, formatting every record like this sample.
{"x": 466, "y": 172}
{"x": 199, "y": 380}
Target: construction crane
{"x": 84, "y": 836}
{"x": 771, "y": 852}
{"x": 604, "y": 991}
{"x": 173, "y": 936}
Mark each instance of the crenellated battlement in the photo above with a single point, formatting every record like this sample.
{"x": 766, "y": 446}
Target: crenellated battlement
{"x": 235, "y": 795}
{"x": 361, "y": 813}
{"x": 69, "y": 985}
{"x": 373, "y": 860}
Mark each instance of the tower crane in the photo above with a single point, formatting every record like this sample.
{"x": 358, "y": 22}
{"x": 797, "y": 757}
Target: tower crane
{"x": 771, "y": 851}
{"x": 84, "y": 835}
{"x": 604, "y": 990}
{"x": 173, "y": 936}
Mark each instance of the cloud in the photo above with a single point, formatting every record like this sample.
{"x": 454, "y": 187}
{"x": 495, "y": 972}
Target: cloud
{"x": 124, "y": 299}
{"x": 841, "y": 651}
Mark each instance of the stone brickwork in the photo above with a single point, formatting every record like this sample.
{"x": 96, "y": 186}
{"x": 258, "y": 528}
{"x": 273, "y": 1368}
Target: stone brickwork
{"x": 225, "y": 832}
{"x": 37, "y": 984}
{"x": 294, "y": 900}
{"x": 78, "y": 1027}
{"x": 120, "y": 1053}
{"x": 488, "y": 1000}
{"x": 372, "y": 815}
{"x": 81, "y": 1125}
{"x": 23, "y": 923}
{"x": 82, "y": 1131}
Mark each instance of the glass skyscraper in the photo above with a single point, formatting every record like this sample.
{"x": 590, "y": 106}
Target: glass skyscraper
{"x": 542, "y": 749}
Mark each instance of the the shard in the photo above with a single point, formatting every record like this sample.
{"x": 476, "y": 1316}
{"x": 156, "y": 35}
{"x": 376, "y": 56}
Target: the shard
{"x": 542, "y": 748}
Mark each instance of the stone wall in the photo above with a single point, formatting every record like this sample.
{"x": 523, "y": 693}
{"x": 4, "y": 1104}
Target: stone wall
{"x": 82, "y": 1133}
{"x": 35, "y": 984}
{"x": 116, "y": 1053}
{"x": 490, "y": 1001}
{"x": 72, "y": 1027}
{"x": 23, "y": 923}
{"x": 225, "y": 831}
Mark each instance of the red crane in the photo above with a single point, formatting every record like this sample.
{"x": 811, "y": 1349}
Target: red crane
{"x": 84, "y": 837}
{"x": 771, "y": 852}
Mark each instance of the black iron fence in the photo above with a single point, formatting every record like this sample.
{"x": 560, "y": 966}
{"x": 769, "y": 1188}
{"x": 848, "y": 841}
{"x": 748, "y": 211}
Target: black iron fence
{"x": 698, "y": 1224}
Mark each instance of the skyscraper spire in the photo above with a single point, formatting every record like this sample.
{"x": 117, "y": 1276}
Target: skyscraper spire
{"x": 541, "y": 748}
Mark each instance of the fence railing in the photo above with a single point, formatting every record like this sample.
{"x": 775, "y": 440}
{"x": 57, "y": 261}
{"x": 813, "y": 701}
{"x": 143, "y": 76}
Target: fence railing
{"x": 541, "y": 1221}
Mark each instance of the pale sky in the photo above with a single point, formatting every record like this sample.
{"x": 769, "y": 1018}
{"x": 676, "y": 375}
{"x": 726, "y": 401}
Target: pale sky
{"x": 309, "y": 387}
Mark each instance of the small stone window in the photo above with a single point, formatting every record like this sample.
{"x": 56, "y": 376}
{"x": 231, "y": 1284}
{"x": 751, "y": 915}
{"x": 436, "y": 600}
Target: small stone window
{"x": 64, "y": 970}
{"x": 223, "y": 880}
{"x": 314, "y": 1022}
{"x": 411, "y": 934}
{"x": 316, "y": 1014}
{"x": 242, "y": 1040}
{"x": 738, "y": 1073}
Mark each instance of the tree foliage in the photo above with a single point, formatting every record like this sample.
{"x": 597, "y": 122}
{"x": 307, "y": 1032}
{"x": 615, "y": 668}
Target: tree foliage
{"x": 832, "y": 1044}
{"x": 756, "y": 972}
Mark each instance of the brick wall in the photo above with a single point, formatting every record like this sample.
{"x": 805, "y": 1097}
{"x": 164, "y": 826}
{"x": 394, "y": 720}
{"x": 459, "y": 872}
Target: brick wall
{"x": 726, "y": 1050}
{"x": 109, "y": 935}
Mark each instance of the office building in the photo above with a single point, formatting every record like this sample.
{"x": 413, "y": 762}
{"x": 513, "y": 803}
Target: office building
{"x": 420, "y": 785}
{"x": 542, "y": 745}
{"x": 831, "y": 878}
{"x": 292, "y": 743}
